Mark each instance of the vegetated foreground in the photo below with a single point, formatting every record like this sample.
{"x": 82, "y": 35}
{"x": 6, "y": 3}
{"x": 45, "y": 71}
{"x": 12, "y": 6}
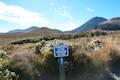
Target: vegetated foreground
{"x": 93, "y": 56}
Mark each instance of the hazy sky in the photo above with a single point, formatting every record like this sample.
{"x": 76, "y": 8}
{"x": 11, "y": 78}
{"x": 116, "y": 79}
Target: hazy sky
{"x": 58, "y": 14}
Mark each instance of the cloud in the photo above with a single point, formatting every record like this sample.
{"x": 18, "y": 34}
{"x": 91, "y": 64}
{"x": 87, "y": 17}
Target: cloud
{"x": 63, "y": 11}
{"x": 68, "y": 26}
{"x": 23, "y": 17}
{"x": 20, "y": 16}
{"x": 51, "y": 3}
{"x": 89, "y": 9}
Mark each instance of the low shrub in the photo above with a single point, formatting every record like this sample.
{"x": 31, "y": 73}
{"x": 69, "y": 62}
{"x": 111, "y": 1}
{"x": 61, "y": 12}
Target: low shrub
{"x": 5, "y": 74}
{"x": 98, "y": 33}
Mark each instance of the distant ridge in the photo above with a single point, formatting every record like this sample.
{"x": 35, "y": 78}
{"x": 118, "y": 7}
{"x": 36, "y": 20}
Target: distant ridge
{"x": 31, "y": 29}
{"x": 24, "y": 30}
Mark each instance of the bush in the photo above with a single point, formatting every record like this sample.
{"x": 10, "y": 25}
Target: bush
{"x": 90, "y": 34}
{"x": 98, "y": 33}
{"x": 81, "y": 34}
{"x": 3, "y": 59}
{"x": 24, "y": 41}
{"x": 5, "y": 74}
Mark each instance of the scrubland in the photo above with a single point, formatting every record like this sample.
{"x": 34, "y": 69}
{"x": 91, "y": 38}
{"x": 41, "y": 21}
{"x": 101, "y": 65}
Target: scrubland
{"x": 93, "y": 56}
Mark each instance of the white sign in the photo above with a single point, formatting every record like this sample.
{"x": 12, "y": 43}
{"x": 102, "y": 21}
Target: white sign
{"x": 61, "y": 50}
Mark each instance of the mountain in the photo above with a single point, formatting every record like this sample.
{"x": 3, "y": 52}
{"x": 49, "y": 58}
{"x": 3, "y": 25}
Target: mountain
{"x": 24, "y": 30}
{"x": 112, "y": 24}
{"x": 94, "y": 23}
{"x": 89, "y": 25}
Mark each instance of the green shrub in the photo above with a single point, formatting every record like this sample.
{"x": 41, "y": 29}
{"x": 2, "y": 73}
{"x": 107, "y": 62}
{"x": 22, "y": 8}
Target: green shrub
{"x": 98, "y": 33}
{"x": 3, "y": 59}
{"x": 5, "y": 74}
{"x": 90, "y": 34}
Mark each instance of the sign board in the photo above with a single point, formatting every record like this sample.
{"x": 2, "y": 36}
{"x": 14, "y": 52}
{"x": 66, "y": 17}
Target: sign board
{"x": 61, "y": 50}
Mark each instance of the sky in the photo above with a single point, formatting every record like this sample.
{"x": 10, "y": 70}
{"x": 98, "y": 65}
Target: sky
{"x": 55, "y": 14}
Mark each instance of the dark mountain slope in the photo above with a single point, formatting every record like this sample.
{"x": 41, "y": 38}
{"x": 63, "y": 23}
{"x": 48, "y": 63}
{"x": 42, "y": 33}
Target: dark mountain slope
{"x": 90, "y": 25}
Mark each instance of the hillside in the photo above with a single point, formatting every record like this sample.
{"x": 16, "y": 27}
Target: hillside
{"x": 41, "y": 32}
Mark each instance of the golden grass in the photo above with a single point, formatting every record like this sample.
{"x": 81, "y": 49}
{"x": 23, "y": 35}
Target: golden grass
{"x": 101, "y": 57}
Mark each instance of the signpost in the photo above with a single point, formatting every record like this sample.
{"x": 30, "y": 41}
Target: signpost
{"x": 61, "y": 51}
